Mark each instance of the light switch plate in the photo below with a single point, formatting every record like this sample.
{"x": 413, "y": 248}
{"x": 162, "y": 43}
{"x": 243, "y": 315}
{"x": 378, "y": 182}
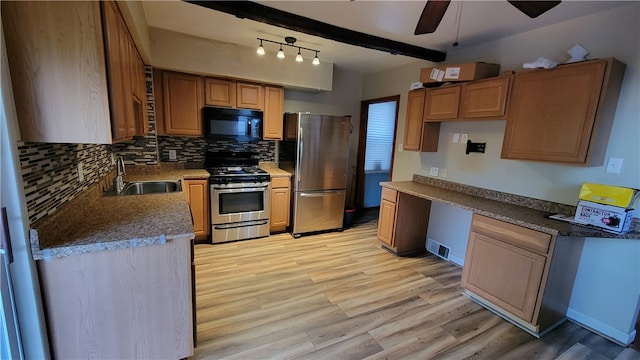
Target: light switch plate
{"x": 433, "y": 171}
{"x": 456, "y": 138}
{"x": 464, "y": 138}
{"x": 172, "y": 155}
{"x": 614, "y": 166}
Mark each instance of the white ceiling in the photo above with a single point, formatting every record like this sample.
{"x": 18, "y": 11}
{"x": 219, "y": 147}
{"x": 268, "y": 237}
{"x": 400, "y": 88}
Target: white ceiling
{"x": 481, "y": 21}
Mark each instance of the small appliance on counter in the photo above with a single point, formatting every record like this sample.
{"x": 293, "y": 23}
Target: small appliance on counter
{"x": 317, "y": 153}
{"x": 239, "y": 193}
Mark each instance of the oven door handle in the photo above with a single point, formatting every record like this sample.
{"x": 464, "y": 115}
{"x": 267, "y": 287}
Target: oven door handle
{"x": 239, "y": 189}
{"x": 243, "y": 224}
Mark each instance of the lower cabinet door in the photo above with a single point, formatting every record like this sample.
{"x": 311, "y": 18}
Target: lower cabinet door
{"x": 198, "y": 195}
{"x": 386, "y": 221}
{"x": 506, "y": 275}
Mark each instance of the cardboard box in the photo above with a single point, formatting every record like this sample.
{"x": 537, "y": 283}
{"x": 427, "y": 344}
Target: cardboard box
{"x": 611, "y": 218}
{"x": 610, "y": 195}
{"x": 459, "y": 72}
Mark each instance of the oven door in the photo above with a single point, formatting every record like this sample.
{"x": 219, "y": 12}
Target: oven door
{"x": 239, "y": 203}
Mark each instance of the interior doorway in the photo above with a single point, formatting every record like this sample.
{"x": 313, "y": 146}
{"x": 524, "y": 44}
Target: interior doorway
{"x": 376, "y": 147}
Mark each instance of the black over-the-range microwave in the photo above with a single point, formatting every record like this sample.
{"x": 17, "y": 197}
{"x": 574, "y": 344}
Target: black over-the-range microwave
{"x": 232, "y": 124}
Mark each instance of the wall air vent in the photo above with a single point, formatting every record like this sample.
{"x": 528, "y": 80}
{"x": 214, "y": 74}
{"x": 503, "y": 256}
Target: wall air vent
{"x": 438, "y": 249}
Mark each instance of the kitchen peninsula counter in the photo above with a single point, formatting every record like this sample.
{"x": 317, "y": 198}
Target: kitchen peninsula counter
{"x": 519, "y": 210}
{"x": 98, "y": 220}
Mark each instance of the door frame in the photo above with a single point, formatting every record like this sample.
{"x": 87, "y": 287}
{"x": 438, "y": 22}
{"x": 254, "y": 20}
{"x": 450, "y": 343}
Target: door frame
{"x": 362, "y": 139}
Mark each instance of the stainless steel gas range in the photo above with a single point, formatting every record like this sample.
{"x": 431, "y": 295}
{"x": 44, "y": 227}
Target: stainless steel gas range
{"x": 239, "y": 193}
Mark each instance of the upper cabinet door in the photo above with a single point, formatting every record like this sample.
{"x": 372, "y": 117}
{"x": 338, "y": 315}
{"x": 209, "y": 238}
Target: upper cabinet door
{"x": 249, "y": 96}
{"x": 484, "y": 98}
{"x": 442, "y": 103}
{"x": 413, "y": 122}
{"x": 55, "y": 52}
{"x": 273, "y": 113}
{"x": 220, "y": 92}
{"x": 183, "y": 100}
{"x": 563, "y": 114}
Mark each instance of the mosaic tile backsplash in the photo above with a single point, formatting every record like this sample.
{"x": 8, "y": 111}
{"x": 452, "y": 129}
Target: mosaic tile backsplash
{"x": 50, "y": 173}
{"x": 190, "y": 149}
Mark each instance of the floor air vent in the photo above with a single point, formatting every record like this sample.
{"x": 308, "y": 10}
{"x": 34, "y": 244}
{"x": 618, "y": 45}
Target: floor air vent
{"x": 438, "y": 249}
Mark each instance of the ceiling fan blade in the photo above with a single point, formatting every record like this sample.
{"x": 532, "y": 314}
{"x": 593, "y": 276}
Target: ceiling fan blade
{"x": 533, "y": 9}
{"x": 431, "y": 16}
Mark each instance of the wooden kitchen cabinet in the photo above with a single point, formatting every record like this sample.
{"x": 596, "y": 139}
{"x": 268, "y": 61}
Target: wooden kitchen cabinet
{"x": 120, "y": 304}
{"x": 198, "y": 195}
{"x": 485, "y": 98}
{"x": 56, "y": 57}
{"x": 419, "y": 135}
{"x": 127, "y": 83}
{"x": 564, "y": 114}
{"x": 399, "y": 229}
{"x": 522, "y": 274}
{"x": 442, "y": 103}
{"x": 183, "y": 99}
{"x": 220, "y": 92}
{"x": 280, "y": 203}
{"x": 273, "y": 122}
{"x": 249, "y": 96}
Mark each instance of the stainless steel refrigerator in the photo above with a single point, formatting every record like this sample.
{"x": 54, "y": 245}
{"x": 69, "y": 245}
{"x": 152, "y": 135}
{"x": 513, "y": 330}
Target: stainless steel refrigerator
{"x": 320, "y": 146}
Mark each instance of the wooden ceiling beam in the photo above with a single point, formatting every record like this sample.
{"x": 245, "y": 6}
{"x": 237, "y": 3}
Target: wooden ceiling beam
{"x": 257, "y": 12}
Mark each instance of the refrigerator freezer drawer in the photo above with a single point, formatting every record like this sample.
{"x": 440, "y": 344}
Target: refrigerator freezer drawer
{"x": 318, "y": 211}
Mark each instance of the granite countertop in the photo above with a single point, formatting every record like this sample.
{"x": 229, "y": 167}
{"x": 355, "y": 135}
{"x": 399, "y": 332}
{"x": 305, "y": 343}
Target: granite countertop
{"x": 273, "y": 169}
{"x": 502, "y": 206}
{"x": 97, "y": 220}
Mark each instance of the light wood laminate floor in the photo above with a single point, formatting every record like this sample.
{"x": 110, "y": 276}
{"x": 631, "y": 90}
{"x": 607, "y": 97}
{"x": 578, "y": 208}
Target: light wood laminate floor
{"x": 340, "y": 296}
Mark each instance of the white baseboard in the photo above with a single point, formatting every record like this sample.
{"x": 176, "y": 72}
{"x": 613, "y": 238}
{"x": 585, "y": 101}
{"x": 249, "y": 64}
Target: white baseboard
{"x": 456, "y": 260}
{"x": 601, "y": 328}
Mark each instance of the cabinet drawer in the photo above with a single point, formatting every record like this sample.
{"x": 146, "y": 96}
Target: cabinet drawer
{"x": 279, "y": 182}
{"x": 389, "y": 195}
{"x": 512, "y": 234}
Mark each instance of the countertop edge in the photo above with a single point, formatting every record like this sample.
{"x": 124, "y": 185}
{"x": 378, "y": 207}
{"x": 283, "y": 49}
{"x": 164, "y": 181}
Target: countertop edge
{"x": 64, "y": 251}
{"x": 529, "y": 218}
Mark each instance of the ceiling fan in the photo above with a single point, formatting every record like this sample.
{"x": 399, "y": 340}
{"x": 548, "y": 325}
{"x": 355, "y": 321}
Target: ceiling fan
{"x": 434, "y": 11}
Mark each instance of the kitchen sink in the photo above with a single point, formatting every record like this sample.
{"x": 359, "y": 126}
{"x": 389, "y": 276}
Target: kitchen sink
{"x": 151, "y": 187}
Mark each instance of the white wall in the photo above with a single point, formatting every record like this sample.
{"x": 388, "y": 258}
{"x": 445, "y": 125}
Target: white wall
{"x": 614, "y": 33}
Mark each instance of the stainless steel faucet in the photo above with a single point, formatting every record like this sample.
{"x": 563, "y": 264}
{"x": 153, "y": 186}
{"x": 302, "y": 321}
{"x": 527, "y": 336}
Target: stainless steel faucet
{"x": 120, "y": 171}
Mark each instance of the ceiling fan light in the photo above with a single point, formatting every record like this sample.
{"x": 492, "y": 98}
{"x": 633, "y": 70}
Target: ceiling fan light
{"x": 280, "y": 54}
{"x": 299, "y": 56}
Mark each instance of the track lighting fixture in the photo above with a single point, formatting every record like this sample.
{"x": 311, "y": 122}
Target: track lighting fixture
{"x": 289, "y": 41}
{"x": 260, "y": 50}
{"x": 299, "y": 56}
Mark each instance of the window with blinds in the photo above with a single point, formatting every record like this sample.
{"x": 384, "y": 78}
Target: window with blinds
{"x": 380, "y": 136}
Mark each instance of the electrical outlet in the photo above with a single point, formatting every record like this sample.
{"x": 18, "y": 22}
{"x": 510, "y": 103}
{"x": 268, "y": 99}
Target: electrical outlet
{"x": 80, "y": 173}
{"x": 614, "y": 166}
{"x": 172, "y": 155}
{"x": 456, "y": 138}
{"x": 433, "y": 171}
{"x": 443, "y": 173}
{"x": 464, "y": 138}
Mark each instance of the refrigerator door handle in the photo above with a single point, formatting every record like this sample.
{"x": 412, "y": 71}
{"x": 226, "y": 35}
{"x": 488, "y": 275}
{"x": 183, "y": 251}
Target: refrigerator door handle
{"x": 321, "y": 194}
{"x": 300, "y": 151}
